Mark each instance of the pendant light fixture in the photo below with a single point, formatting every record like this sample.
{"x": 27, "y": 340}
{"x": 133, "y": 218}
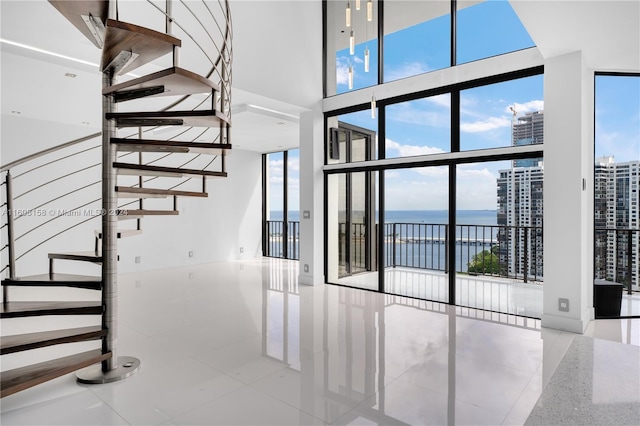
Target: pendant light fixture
{"x": 348, "y": 14}
{"x": 373, "y": 106}
{"x": 357, "y": 4}
{"x": 366, "y": 59}
{"x": 352, "y": 43}
{"x": 350, "y": 77}
{"x": 369, "y": 10}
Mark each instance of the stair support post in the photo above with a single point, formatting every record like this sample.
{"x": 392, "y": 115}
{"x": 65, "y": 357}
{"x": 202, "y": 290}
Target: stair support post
{"x": 115, "y": 368}
{"x": 11, "y": 243}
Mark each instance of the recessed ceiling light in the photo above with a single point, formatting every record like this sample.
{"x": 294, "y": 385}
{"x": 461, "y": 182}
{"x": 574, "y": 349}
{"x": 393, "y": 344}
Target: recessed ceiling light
{"x": 15, "y": 112}
{"x": 280, "y": 122}
{"x": 70, "y": 75}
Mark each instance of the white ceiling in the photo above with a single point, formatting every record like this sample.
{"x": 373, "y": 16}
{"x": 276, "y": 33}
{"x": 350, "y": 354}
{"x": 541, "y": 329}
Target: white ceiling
{"x": 277, "y": 68}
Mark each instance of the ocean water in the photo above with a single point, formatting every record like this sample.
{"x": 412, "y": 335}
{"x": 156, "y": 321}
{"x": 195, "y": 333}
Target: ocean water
{"x": 417, "y": 240}
{"x": 463, "y": 217}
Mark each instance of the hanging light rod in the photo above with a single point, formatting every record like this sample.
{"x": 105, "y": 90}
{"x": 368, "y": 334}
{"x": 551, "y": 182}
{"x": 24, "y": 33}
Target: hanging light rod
{"x": 348, "y": 14}
{"x": 370, "y": 10}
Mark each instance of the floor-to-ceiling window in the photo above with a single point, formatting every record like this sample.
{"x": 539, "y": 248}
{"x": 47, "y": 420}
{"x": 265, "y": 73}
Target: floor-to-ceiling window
{"x": 453, "y": 176}
{"x": 281, "y": 204}
{"x": 617, "y": 195}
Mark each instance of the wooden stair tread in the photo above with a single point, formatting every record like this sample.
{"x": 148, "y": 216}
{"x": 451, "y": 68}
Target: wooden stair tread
{"x": 29, "y": 309}
{"x": 147, "y": 43}
{"x": 135, "y": 214}
{"x": 143, "y": 169}
{"x": 174, "y": 81}
{"x": 52, "y": 280}
{"x": 73, "y": 11}
{"x": 25, "y": 377}
{"x": 86, "y": 256}
{"x": 197, "y": 118}
{"x": 25, "y": 342}
{"x": 150, "y": 145}
{"x": 158, "y": 192}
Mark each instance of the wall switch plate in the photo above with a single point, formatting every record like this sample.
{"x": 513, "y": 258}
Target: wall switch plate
{"x": 306, "y": 214}
{"x": 190, "y": 253}
{"x": 137, "y": 259}
{"x": 563, "y": 305}
{"x": 241, "y": 249}
{"x": 306, "y": 267}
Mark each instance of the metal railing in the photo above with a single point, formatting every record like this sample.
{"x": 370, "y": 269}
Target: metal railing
{"x": 616, "y": 256}
{"x": 276, "y": 234}
{"x": 487, "y": 250}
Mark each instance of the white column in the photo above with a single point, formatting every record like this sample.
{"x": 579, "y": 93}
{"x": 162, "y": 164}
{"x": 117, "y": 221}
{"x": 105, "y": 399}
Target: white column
{"x": 311, "y": 198}
{"x": 568, "y": 205}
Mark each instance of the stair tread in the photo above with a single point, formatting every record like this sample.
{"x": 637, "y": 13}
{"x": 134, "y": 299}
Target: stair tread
{"x": 26, "y": 309}
{"x": 167, "y": 170}
{"x": 176, "y": 82}
{"x": 160, "y": 192}
{"x": 28, "y": 341}
{"x": 196, "y": 118}
{"x": 88, "y": 256}
{"x": 73, "y": 11}
{"x": 135, "y": 213}
{"x": 25, "y": 377}
{"x": 52, "y": 280}
{"x": 150, "y": 145}
{"x": 147, "y": 43}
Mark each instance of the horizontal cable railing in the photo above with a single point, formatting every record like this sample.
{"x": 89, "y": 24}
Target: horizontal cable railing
{"x": 616, "y": 256}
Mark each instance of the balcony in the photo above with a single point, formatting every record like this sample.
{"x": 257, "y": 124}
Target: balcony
{"x": 498, "y": 268}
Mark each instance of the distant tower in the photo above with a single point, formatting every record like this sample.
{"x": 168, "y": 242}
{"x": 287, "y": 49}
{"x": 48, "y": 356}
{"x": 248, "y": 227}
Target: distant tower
{"x": 527, "y": 130}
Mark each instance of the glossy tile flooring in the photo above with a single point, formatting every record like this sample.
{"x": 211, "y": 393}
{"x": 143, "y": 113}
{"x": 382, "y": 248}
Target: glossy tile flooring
{"x": 239, "y": 343}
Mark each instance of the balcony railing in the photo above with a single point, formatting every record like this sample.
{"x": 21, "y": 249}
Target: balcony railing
{"x": 276, "y": 234}
{"x": 616, "y": 256}
{"x": 492, "y": 250}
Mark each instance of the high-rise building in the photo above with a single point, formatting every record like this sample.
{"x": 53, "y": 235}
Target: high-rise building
{"x": 520, "y": 215}
{"x": 528, "y": 130}
{"x": 617, "y": 207}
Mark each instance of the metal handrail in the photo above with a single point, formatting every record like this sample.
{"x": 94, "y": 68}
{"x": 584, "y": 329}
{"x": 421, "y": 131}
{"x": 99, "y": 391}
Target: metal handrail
{"x": 38, "y": 154}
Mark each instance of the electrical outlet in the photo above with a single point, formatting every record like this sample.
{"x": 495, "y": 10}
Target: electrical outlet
{"x": 138, "y": 285}
{"x": 306, "y": 267}
{"x": 241, "y": 249}
{"x": 563, "y": 305}
{"x": 137, "y": 259}
{"x": 191, "y": 275}
{"x": 190, "y": 253}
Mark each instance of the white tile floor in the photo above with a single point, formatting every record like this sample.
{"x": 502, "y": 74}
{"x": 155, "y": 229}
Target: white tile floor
{"x": 482, "y": 292}
{"x": 240, "y": 343}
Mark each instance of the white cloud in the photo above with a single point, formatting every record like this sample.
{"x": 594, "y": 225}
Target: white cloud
{"x": 407, "y": 69}
{"x": 411, "y": 150}
{"x": 490, "y": 123}
{"x": 433, "y": 172}
{"x": 411, "y": 114}
{"x": 342, "y": 71}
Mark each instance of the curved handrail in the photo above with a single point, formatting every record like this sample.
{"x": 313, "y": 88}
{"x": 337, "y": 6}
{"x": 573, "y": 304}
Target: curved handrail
{"x": 51, "y": 150}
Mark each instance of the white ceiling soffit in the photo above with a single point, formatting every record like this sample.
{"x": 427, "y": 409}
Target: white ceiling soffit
{"x": 606, "y": 31}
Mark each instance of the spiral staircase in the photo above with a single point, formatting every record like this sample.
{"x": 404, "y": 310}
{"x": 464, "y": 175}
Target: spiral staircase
{"x": 125, "y": 47}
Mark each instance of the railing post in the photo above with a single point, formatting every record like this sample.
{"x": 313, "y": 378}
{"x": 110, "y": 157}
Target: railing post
{"x": 526, "y": 253}
{"x": 446, "y": 249}
{"x": 629, "y": 259}
{"x": 10, "y": 236}
{"x": 393, "y": 239}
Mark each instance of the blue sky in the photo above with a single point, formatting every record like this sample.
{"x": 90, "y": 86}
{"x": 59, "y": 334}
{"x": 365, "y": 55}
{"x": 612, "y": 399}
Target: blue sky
{"x": 423, "y": 126}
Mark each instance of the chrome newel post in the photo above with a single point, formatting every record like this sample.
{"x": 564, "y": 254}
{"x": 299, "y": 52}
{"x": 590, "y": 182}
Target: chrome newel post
{"x": 114, "y": 368}
{"x": 109, "y": 228}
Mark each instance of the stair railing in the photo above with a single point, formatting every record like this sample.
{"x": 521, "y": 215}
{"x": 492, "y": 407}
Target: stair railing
{"x": 43, "y": 218}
